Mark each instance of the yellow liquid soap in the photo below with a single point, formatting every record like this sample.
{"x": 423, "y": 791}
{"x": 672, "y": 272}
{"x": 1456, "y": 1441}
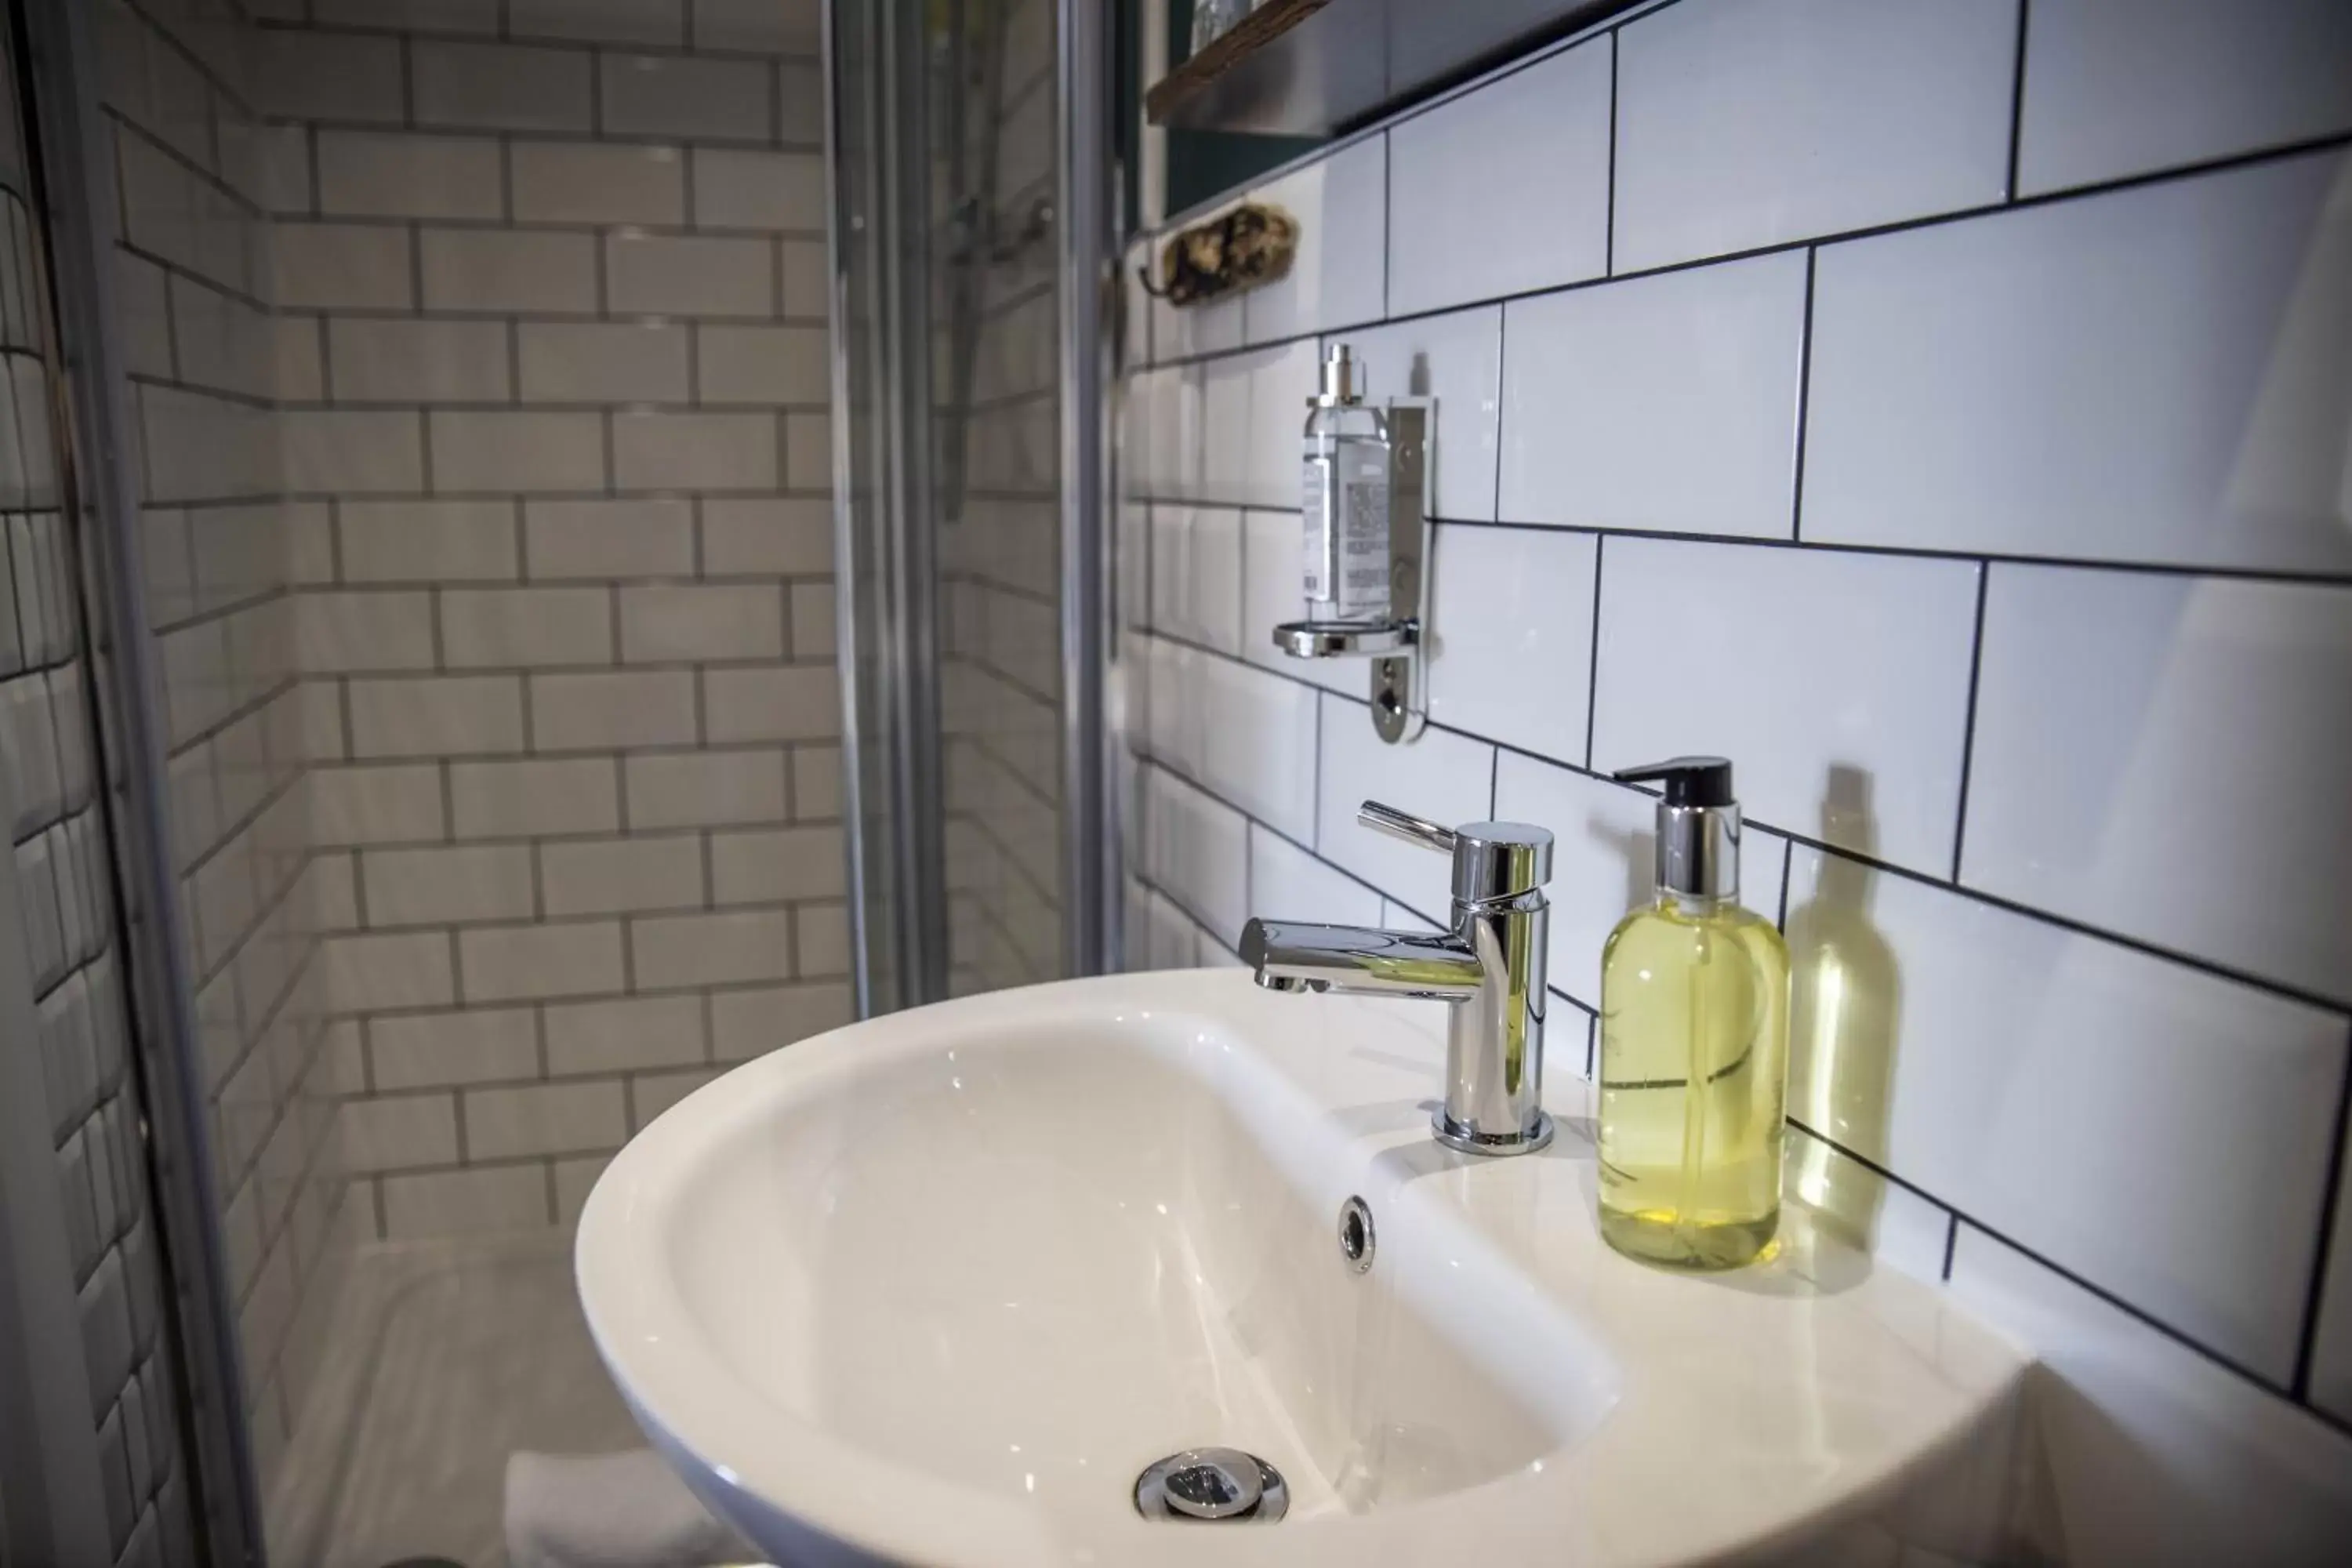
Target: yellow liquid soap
{"x": 1693, "y": 1083}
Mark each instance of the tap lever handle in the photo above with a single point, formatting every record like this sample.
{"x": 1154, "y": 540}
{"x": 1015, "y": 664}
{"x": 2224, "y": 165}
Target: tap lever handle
{"x": 1403, "y": 825}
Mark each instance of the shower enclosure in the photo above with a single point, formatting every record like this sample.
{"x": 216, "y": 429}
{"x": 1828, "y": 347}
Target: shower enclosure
{"x": 552, "y": 547}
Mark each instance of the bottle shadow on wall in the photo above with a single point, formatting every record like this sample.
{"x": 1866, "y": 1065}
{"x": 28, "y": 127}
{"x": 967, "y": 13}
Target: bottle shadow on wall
{"x": 1844, "y": 1019}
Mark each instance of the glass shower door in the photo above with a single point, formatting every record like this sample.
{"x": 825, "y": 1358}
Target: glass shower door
{"x": 965, "y": 491}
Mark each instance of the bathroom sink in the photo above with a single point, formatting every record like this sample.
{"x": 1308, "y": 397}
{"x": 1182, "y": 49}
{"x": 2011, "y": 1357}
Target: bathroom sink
{"x": 939, "y": 1287}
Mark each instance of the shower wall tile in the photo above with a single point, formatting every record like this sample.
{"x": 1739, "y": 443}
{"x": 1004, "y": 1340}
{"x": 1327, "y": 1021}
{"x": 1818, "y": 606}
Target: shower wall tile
{"x": 2010, "y": 542}
{"x": 555, "y": 335}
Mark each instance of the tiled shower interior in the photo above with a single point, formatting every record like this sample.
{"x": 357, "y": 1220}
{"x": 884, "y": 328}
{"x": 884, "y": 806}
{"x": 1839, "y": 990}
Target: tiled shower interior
{"x": 478, "y": 362}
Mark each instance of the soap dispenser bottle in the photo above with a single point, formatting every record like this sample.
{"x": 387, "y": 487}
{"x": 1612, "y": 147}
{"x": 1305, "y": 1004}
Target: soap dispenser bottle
{"x": 1694, "y": 1043}
{"x": 1344, "y": 498}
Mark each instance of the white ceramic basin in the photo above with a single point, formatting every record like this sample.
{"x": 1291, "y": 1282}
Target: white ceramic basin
{"x": 934, "y": 1289}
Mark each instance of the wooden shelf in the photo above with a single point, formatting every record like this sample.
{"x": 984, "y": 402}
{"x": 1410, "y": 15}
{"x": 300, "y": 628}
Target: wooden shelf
{"x": 1314, "y": 67}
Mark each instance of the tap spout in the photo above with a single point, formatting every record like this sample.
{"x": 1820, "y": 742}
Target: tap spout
{"x": 1291, "y": 956}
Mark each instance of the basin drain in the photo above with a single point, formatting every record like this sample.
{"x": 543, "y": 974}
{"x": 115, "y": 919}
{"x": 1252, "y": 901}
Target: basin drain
{"x": 1214, "y": 1485}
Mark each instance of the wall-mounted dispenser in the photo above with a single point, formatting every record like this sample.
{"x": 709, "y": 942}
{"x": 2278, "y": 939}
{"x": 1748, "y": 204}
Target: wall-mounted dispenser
{"x": 1365, "y": 500}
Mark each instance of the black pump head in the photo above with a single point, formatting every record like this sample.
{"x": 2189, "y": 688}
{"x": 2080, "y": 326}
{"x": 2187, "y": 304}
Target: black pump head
{"x": 1690, "y": 781}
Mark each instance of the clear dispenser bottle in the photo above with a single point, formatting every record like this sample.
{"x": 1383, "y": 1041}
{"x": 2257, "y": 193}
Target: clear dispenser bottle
{"x": 1344, "y": 495}
{"x": 1693, "y": 1045}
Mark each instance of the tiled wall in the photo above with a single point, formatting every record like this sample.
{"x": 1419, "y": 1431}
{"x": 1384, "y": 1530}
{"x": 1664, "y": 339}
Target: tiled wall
{"x": 1000, "y": 564}
{"x": 1942, "y": 410}
{"x": 551, "y": 363}
{"x": 190, "y": 259}
{"x": 61, "y": 890}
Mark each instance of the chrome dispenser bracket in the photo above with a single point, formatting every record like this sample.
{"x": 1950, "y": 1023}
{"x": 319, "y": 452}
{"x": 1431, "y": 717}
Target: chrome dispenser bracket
{"x": 1399, "y": 679}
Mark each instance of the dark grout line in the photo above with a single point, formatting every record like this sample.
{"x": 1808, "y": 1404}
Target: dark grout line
{"x": 2324, "y": 1250}
{"x": 1969, "y": 720}
{"x": 1804, "y": 402}
{"x": 2017, "y": 101}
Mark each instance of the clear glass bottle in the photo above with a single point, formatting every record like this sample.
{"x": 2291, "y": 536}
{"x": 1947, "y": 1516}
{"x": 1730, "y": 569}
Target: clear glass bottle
{"x": 1344, "y": 499}
{"x": 1693, "y": 1045}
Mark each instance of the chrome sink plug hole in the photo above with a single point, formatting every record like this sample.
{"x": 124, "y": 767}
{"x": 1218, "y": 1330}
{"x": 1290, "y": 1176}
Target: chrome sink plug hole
{"x": 1356, "y": 1240}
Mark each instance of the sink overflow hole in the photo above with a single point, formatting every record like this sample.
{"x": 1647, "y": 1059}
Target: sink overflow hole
{"x": 1356, "y": 1234}
{"x": 1213, "y": 1486}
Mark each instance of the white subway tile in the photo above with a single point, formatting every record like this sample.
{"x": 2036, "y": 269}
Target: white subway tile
{"x": 481, "y": 449}
{"x": 603, "y": 362}
{"x": 598, "y": 712}
{"x": 583, "y": 182}
{"x": 697, "y": 100}
{"x": 599, "y": 21}
{"x": 421, "y": 541}
{"x": 1667, "y": 404}
{"x": 1198, "y": 849}
{"x": 789, "y": 535}
{"x": 1794, "y": 663}
{"x": 814, "y": 635}
{"x": 695, "y": 451}
{"x": 1257, "y": 742}
{"x": 767, "y": 27}
{"x": 624, "y": 875}
{"x": 690, "y": 274}
{"x": 1253, "y": 406}
{"x": 745, "y": 1024}
{"x": 575, "y": 1178}
{"x": 2115, "y": 88}
{"x": 759, "y": 190}
{"x": 1509, "y": 645}
{"x": 511, "y": 800}
{"x": 407, "y": 16}
{"x": 1336, "y": 276}
{"x": 1503, "y": 189}
{"x": 406, "y": 1129}
{"x": 621, "y": 1036}
{"x": 1457, "y": 361}
{"x": 670, "y": 622}
{"x": 544, "y": 1119}
{"x": 2140, "y": 741}
{"x": 1604, "y": 865}
{"x": 1444, "y": 777}
{"x": 808, "y": 449}
{"x": 650, "y": 1094}
{"x": 764, "y": 365}
{"x": 822, "y": 938}
{"x": 438, "y": 1050}
{"x": 782, "y": 702}
{"x": 340, "y": 266}
{"x": 2130, "y": 377}
{"x": 1289, "y": 884}
{"x": 373, "y": 360}
{"x": 807, "y": 280}
{"x": 499, "y": 87}
{"x": 776, "y": 865}
{"x": 1273, "y": 591}
{"x": 816, "y": 784}
{"x": 1752, "y": 123}
{"x": 363, "y": 973}
{"x": 2331, "y": 1334}
{"x": 332, "y": 452}
{"x": 436, "y": 715}
{"x": 389, "y": 805}
{"x": 503, "y": 269}
{"x": 437, "y": 886}
{"x": 609, "y": 539}
{"x": 527, "y": 626}
{"x": 2155, "y": 1454}
{"x": 488, "y": 1202}
{"x": 2092, "y": 1102}
{"x": 362, "y": 630}
{"x": 711, "y": 950}
{"x": 402, "y": 174}
{"x": 695, "y": 789}
{"x": 505, "y": 963}
{"x": 300, "y": 74}
{"x": 1196, "y": 575}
